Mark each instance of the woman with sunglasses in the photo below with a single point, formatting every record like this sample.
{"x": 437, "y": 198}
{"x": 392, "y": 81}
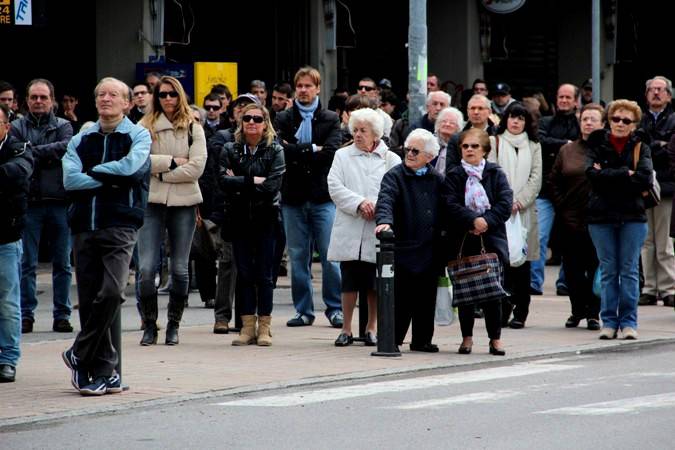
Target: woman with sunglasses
{"x": 479, "y": 202}
{"x": 354, "y": 183}
{"x": 410, "y": 204}
{"x": 250, "y": 174}
{"x": 177, "y": 158}
{"x": 620, "y": 170}
{"x": 518, "y": 152}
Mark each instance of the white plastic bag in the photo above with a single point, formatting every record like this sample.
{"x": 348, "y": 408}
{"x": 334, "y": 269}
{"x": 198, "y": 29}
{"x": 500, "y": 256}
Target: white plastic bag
{"x": 516, "y": 234}
{"x": 445, "y": 313}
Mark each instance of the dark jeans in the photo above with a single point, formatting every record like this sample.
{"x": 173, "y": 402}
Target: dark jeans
{"x": 493, "y": 318}
{"x": 580, "y": 263}
{"x": 254, "y": 257}
{"x": 226, "y": 285}
{"x": 415, "y": 300}
{"x": 517, "y": 280}
{"x": 102, "y": 269}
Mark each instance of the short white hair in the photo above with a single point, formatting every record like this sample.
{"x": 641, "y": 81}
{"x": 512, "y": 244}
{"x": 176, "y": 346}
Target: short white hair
{"x": 449, "y": 111}
{"x": 444, "y": 94}
{"x": 370, "y": 117}
{"x": 480, "y": 98}
{"x": 431, "y": 145}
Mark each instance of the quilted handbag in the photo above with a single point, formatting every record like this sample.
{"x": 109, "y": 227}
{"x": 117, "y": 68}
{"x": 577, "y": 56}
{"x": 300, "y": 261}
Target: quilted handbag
{"x": 476, "y": 279}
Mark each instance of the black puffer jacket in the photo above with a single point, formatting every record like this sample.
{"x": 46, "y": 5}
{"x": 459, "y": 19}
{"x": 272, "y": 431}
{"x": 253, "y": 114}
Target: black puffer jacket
{"x": 49, "y": 136}
{"x": 461, "y": 218}
{"x": 16, "y": 167}
{"x": 616, "y": 197}
{"x": 413, "y": 206}
{"x": 659, "y": 132}
{"x": 248, "y": 204}
{"x": 554, "y": 132}
{"x": 306, "y": 170}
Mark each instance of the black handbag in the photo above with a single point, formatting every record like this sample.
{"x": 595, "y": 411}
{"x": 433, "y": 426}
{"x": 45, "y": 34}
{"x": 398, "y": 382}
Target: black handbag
{"x": 476, "y": 279}
{"x": 651, "y": 196}
{"x": 205, "y": 240}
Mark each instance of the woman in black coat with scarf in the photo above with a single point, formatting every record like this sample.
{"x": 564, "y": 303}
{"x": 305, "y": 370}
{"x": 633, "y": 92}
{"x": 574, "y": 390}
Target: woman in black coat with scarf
{"x": 479, "y": 201}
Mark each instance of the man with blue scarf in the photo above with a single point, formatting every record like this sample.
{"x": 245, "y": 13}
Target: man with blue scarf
{"x": 310, "y": 136}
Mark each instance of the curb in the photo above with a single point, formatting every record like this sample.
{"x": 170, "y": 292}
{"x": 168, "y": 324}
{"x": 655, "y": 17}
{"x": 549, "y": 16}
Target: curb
{"x": 18, "y": 423}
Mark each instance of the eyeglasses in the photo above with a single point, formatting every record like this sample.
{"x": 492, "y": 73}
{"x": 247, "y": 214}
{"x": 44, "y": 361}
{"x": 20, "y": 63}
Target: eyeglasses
{"x": 257, "y": 119}
{"x": 656, "y": 89}
{"x": 468, "y": 146}
{"x": 44, "y": 98}
{"x": 414, "y": 151}
{"x": 136, "y": 94}
{"x": 165, "y": 94}
{"x": 625, "y": 120}
{"x": 211, "y": 107}
{"x": 366, "y": 88}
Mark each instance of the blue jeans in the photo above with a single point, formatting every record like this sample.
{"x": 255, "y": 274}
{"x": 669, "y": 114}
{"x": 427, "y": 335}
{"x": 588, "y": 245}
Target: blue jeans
{"x": 618, "y": 247}
{"x": 307, "y": 224}
{"x": 10, "y": 302}
{"x": 545, "y": 218}
{"x": 54, "y": 218}
{"x": 179, "y": 221}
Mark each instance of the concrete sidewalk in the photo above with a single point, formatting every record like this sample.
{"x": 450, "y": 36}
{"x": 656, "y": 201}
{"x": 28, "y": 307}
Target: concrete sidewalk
{"x": 206, "y": 365}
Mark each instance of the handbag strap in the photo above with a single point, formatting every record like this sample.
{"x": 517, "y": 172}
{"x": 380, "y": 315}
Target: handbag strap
{"x": 461, "y": 247}
{"x": 636, "y": 155}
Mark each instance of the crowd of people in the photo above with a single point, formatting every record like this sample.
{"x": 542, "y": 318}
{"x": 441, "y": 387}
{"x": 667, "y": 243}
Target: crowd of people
{"x": 251, "y": 189}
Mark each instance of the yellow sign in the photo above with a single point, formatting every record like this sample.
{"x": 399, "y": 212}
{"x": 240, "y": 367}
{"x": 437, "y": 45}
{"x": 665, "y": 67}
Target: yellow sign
{"x": 5, "y": 13}
{"x": 209, "y": 73}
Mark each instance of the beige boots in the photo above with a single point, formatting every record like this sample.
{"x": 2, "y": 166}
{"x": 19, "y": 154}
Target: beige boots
{"x": 248, "y": 335}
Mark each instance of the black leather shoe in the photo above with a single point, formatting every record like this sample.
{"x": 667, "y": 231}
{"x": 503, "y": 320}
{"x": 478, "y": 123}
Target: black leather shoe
{"x": 496, "y": 351}
{"x": 7, "y": 373}
{"x": 62, "y": 326}
{"x": 210, "y": 304}
{"x": 647, "y": 299}
{"x": 428, "y": 348}
{"x": 149, "y": 334}
{"x": 344, "y": 340}
{"x": 562, "y": 291}
{"x": 516, "y": 324}
{"x": 26, "y": 326}
{"x": 572, "y": 322}
{"x": 464, "y": 350}
{"x": 668, "y": 300}
{"x": 593, "y": 324}
{"x": 370, "y": 340}
{"x": 171, "y": 333}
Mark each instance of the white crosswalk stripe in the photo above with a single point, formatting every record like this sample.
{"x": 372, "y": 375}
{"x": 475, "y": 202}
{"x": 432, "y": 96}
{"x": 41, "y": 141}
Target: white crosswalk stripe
{"x": 624, "y": 406}
{"x": 476, "y": 397}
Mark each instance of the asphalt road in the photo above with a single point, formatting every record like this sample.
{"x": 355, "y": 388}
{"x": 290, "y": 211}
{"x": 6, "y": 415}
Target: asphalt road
{"x": 618, "y": 400}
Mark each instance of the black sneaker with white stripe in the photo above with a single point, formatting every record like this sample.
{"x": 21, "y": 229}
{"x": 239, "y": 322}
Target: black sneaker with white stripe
{"x": 98, "y": 387}
{"x": 79, "y": 377}
{"x": 113, "y": 384}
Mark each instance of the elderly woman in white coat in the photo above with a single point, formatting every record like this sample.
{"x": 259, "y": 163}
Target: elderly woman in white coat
{"x": 518, "y": 152}
{"x": 354, "y": 184}
{"x": 177, "y": 158}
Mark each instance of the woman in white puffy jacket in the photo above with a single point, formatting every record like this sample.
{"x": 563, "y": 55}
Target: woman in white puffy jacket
{"x": 354, "y": 184}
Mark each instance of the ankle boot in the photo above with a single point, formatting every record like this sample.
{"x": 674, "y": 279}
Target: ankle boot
{"x": 264, "y": 331}
{"x": 247, "y": 333}
{"x": 171, "y": 333}
{"x": 149, "y": 334}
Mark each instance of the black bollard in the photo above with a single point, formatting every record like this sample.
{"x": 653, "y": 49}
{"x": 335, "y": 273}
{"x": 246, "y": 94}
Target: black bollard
{"x": 386, "y": 345}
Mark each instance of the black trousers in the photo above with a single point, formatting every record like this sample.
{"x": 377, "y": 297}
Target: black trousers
{"x": 580, "y": 263}
{"x": 493, "y": 318}
{"x": 225, "y": 287}
{"x": 254, "y": 257}
{"x": 205, "y": 273}
{"x": 415, "y": 300}
{"x": 517, "y": 280}
{"x": 102, "y": 269}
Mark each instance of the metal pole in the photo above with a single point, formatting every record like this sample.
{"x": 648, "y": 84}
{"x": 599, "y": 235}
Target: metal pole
{"x": 417, "y": 60}
{"x": 595, "y": 51}
{"x": 386, "y": 339}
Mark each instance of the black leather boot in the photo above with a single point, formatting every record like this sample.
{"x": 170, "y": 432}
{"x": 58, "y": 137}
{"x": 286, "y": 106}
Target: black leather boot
{"x": 172, "y": 333}
{"x": 149, "y": 334}
{"x": 149, "y": 308}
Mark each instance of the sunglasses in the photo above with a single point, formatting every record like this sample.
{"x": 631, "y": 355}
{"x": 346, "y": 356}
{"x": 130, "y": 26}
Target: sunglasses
{"x": 625, "y": 120}
{"x": 212, "y": 107}
{"x": 473, "y": 146}
{"x": 414, "y": 151}
{"x": 257, "y": 119}
{"x": 165, "y": 94}
{"x": 367, "y": 88}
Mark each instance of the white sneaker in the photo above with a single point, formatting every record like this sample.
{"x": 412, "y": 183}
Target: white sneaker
{"x": 607, "y": 333}
{"x": 629, "y": 333}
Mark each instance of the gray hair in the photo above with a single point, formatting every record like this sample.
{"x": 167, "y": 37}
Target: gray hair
{"x": 124, "y": 88}
{"x": 669, "y": 84}
{"x": 258, "y": 84}
{"x": 482, "y": 98}
{"x": 449, "y": 111}
{"x": 431, "y": 145}
{"x": 369, "y": 116}
{"x": 444, "y": 94}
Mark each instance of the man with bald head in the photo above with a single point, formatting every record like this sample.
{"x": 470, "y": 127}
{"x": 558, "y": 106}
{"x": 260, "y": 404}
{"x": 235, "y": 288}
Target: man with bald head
{"x": 554, "y": 132}
{"x": 107, "y": 171}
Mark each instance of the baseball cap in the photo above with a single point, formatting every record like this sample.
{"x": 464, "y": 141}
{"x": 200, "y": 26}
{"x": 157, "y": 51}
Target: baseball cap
{"x": 501, "y": 89}
{"x": 246, "y": 99}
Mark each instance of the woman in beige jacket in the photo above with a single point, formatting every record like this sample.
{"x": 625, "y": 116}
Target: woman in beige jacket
{"x": 178, "y": 157}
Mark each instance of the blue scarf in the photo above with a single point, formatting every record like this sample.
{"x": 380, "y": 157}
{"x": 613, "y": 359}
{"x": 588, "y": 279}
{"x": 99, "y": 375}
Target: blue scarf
{"x": 421, "y": 171}
{"x": 304, "y": 133}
